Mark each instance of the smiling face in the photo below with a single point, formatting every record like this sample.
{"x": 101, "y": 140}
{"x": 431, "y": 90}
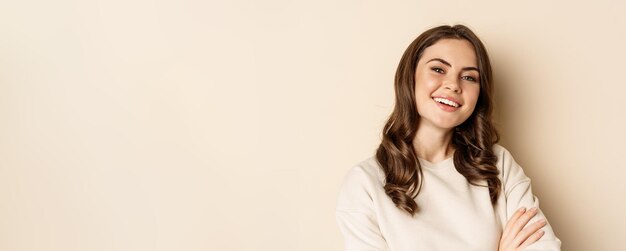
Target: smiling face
{"x": 447, "y": 83}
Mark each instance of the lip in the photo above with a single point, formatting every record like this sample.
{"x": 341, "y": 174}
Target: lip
{"x": 446, "y": 108}
{"x": 449, "y": 98}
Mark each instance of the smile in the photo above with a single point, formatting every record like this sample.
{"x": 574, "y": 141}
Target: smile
{"x": 447, "y": 102}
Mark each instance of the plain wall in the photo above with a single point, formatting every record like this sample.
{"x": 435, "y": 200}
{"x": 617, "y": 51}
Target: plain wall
{"x": 228, "y": 125}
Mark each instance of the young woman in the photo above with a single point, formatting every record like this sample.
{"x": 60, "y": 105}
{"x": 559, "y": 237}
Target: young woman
{"x": 439, "y": 180}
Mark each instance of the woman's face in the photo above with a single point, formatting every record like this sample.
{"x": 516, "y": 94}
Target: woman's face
{"x": 447, "y": 83}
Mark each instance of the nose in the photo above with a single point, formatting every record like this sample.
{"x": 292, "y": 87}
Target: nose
{"x": 453, "y": 85}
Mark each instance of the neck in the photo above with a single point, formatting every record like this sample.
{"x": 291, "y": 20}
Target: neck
{"x": 433, "y": 144}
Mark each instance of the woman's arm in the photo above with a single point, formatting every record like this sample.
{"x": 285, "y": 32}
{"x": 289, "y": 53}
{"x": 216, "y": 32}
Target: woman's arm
{"x": 518, "y": 236}
{"x": 360, "y": 231}
{"x": 518, "y": 194}
{"x": 355, "y": 213}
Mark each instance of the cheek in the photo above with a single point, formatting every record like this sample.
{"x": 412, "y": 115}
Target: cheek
{"x": 425, "y": 85}
{"x": 422, "y": 95}
{"x": 426, "y": 81}
{"x": 472, "y": 95}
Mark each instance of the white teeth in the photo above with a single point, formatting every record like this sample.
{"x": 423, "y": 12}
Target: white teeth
{"x": 447, "y": 102}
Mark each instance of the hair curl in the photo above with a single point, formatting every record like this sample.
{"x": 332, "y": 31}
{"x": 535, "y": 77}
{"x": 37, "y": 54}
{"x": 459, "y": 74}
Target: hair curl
{"x": 472, "y": 140}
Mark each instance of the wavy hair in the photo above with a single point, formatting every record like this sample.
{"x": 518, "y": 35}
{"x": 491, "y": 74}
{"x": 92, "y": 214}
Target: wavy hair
{"x": 472, "y": 140}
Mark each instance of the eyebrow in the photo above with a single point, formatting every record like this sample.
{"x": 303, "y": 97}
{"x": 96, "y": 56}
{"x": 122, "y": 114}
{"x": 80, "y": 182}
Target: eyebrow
{"x": 449, "y": 65}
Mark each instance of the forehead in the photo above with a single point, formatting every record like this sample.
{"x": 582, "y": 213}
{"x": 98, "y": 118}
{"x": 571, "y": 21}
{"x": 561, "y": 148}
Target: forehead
{"x": 458, "y": 52}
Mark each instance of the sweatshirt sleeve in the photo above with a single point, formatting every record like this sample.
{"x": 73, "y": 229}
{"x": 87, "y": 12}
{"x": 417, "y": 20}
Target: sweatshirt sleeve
{"x": 355, "y": 213}
{"x": 518, "y": 193}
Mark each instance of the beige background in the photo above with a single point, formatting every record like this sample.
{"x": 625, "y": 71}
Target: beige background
{"x": 195, "y": 125}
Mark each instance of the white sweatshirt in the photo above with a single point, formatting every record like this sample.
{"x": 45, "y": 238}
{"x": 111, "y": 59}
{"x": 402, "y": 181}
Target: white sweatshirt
{"x": 453, "y": 215}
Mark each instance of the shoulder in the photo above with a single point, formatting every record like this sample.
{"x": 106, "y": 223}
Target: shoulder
{"x": 360, "y": 184}
{"x": 505, "y": 158}
{"x": 500, "y": 151}
{"x": 367, "y": 172}
{"x": 511, "y": 173}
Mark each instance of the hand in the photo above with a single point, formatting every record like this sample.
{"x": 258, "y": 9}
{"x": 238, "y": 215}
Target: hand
{"x": 515, "y": 238}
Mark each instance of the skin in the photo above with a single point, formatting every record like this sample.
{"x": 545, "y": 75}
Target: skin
{"x": 515, "y": 237}
{"x": 449, "y": 68}
{"x": 433, "y": 77}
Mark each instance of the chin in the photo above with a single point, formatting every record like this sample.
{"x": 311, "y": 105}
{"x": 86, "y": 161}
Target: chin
{"x": 450, "y": 124}
{"x": 447, "y": 126}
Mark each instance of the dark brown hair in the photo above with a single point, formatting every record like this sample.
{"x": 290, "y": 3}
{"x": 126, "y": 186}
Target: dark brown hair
{"x": 472, "y": 140}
